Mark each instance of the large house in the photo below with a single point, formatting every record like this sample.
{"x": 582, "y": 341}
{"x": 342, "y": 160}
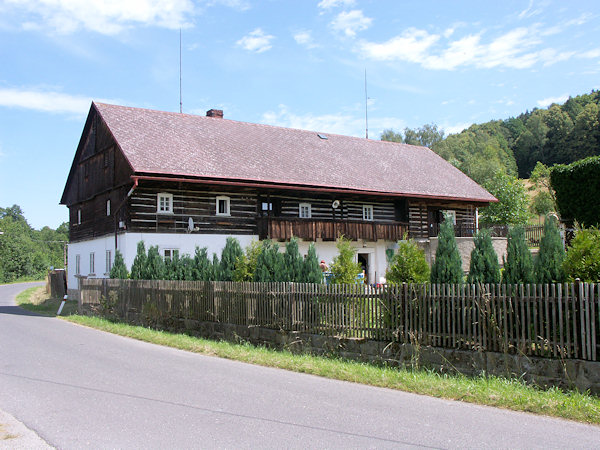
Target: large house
{"x": 179, "y": 181}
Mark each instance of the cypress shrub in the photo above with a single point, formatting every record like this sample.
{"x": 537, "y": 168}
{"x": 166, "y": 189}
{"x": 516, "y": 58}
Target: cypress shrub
{"x": 583, "y": 257}
{"x": 408, "y": 265}
{"x": 484, "y": 267}
{"x": 447, "y": 267}
{"x": 311, "y": 270}
{"x": 155, "y": 265}
{"x": 186, "y": 271}
{"x": 202, "y": 267}
{"x": 344, "y": 269}
{"x": 549, "y": 261}
{"x": 119, "y": 269}
{"x": 245, "y": 266}
{"x": 269, "y": 264}
{"x": 518, "y": 265}
{"x": 215, "y": 269}
{"x": 139, "y": 262}
{"x": 292, "y": 262}
{"x": 231, "y": 253}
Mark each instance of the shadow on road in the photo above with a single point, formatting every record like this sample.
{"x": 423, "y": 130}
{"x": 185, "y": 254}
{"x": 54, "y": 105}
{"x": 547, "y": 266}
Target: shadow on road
{"x": 15, "y": 310}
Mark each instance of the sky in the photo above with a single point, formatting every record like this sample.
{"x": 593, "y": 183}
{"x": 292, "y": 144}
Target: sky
{"x": 294, "y": 63}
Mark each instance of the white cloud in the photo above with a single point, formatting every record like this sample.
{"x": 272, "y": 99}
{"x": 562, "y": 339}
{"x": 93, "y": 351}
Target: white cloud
{"x": 351, "y": 22}
{"x": 590, "y": 54}
{"x": 530, "y": 11}
{"x": 256, "y": 41}
{"x": 329, "y": 4}
{"x": 548, "y": 101}
{"x": 454, "y": 129}
{"x": 53, "y": 102}
{"x": 106, "y": 17}
{"x": 305, "y": 38}
{"x": 410, "y": 46}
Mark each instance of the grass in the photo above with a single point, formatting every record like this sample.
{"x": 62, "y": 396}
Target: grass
{"x": 24, "y": 280}
{"x": 35, "y": 299}
{"x": 492, "y": 391}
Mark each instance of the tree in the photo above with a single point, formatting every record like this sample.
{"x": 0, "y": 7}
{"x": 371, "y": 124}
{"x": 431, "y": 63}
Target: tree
{"x": 512, "y": 206}
{"x": 427, "y": 136}
{"x": 583, "y": 257}
{"x": 138, "y": 268}
{"x": 391, "y": 136}
{"x": 292, "y": 262}
{"x": 155, "y": 265}
{"x": 540, "y": 180}
{"x": 447, "y": 267}
{"x": 484, "y": 267}
{"x": 344, "y": 268}
{"x": 549, "y": 261}
{"x": 119, "y": 269}
{"x": 230, "y": 255}
{"x": 269, "y": 264}
{"x": 408, "y": 264}
{"x": 201, "y": 265}
{"x": 246, "y": 265}
{"x": 518, "y": 265}
{"x": 311, "y": 270}
{"x": 215, "y": 269}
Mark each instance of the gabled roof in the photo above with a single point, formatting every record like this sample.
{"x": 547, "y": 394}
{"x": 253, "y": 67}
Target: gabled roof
{"x": 191, "y": 146}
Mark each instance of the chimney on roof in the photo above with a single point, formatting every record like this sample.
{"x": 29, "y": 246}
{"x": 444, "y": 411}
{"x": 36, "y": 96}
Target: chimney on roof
{"x": 215, "y": 113}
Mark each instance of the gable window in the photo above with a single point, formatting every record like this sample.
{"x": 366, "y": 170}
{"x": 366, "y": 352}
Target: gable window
{"x": 305, "y": 211}
{"x": 170, "y": 253}
{"x": 78, "y": 217}
{"x": 77, "y": 264}
{"x": 108, "y": 262}
{"x": 223, "y": 204}
{"x": 108, "y": 207}
{"x": 367, "y": 212}
{"x": 164, "y": 203}
{"x": 92, "y": 263}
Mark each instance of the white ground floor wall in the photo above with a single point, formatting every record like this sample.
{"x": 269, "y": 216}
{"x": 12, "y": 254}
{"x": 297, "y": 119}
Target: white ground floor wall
{"x": 91, "y": 258}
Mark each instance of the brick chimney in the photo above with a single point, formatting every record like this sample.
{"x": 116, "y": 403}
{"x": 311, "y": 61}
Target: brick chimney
{"x": 215, "y": 113}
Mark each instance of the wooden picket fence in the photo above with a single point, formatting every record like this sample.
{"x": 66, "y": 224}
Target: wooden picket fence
{"x": 557, "y": 320}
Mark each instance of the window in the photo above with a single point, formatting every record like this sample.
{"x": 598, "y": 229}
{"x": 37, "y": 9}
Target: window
{"x": 223, "y": 205}
{"x": 164, "y": 203}
{"x": 170, "y": 253}
{"x": 266, "y": 206}
{"x": 401, "y": 212}
{"x": 108, "y": 207}
{"x": 92, "y": 263}
{"x": 108, "y": 262}
{"x": 78, "y": 217}
{"x": 367, "y": 212}
{"x": 305, "y": 211}
{"x": 77, "y": 264}
{"x": 450, "y": 213}
{"x": 269, "y": 206}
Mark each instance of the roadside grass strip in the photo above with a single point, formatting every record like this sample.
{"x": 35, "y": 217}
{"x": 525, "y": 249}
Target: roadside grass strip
{"x": 511, "y": 394}
{"x": 36, "y": 299}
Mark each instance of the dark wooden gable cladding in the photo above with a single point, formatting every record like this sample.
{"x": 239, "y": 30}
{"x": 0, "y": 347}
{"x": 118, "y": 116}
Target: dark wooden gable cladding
{"x": 425, "y": 217}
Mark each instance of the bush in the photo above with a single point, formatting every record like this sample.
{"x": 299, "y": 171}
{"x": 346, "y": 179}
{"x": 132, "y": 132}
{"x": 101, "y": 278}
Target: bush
{"x": 269, "y": 264}
{"x": 344, "y": 269}
{"x": 518, "y": 265}
{"x": 583, "y": 257}
{"x": 512, "y": 205}
{"x": 408, "y": 265}
{"x": 201, "y": 266}
{"x": 311, "y": 270}
{"x": 245, "y": 266}
{"x": 447, "y": 267}
{"x": 292, "y": 262}
{"x": 484, "y": 267}
{"x": 231, "y": 253}
{"x": 119, "y": 269}
{"x": 155, "y": 265}
{"x": 548, "y": 264}
{"x": 139, "y": 262}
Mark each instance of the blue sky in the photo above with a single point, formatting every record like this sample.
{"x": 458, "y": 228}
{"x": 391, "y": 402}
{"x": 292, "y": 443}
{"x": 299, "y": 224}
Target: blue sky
{"x": 291, "y": 63}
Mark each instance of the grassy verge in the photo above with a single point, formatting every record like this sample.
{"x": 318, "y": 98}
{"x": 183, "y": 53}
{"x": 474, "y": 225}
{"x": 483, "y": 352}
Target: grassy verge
{"x": 35, "y": 299}
{"x": 491, "y": 391}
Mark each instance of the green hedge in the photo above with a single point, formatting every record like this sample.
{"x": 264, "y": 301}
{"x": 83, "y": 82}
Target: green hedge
{"x": 577, "y": 188}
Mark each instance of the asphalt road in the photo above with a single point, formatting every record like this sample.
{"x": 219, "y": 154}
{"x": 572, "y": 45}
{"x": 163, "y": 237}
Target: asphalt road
{"x": 81, "y": 388}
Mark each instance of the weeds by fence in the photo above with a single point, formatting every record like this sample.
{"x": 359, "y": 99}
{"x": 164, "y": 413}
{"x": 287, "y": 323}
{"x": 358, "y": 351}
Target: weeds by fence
{"x": 560, "y": 321}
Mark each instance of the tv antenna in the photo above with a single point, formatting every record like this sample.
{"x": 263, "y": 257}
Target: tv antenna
{"x": 180, "y": 98}
{"x": 366, "y": 108}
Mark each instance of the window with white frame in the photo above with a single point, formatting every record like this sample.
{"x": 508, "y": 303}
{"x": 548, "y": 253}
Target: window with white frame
{"x": 108, "y": 207}
{"x": 223, "y": 205}
{"x": 77, "y": 264}
{"x": 170, "y": 253}
{"x": 108, "y": 261}
{"x": 164, "y": 203}
{"x": 92, "y": 263}
{"x": 305, "y": 211}
{"x": 78, "y": 217}
{"x": 367, "y": 212}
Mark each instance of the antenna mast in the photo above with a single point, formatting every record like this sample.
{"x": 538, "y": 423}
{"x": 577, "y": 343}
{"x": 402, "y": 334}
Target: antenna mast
{"x": 180, "y": 98}
{"x": 366, "y": 108}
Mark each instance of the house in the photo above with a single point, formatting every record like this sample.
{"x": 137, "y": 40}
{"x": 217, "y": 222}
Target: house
{"x": 179, "y": 181}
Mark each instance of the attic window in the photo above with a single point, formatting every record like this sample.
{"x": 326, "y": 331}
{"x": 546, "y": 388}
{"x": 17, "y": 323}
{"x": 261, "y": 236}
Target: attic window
{"x": 164, "y": 203}
{"x": 322, "y": 136}
{"x": 223, "y": 203}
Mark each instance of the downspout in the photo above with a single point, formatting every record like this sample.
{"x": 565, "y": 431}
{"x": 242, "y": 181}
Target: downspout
{"x": 135, "y": 184}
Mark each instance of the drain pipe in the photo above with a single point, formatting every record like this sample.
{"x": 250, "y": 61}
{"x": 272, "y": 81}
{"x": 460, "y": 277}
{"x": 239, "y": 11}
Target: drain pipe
{"x": 135, "y": 185}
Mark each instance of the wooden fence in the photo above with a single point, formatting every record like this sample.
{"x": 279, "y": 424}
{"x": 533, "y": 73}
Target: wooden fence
{"x": 558, "y": 320}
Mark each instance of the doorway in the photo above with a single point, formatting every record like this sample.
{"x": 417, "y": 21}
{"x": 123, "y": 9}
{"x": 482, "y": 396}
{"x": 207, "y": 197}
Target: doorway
{"x": 363, "y": 260}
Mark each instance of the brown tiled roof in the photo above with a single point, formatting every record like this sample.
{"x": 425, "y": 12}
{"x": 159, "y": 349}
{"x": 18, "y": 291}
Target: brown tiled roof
{"x": 166, "y": 143}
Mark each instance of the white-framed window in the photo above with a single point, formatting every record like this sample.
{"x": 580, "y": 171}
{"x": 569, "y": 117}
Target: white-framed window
{"x": 108, "y": 207}
{"x": 164, "y": 203}
{"x": 79, "y": 217}
{"x": 77, "y": 264}
{"x": 223, "y": 205}
{"x": 367, "y": 212}
{"x": 170, "y": 253}
{"x": 267, "y": 206}
{"x": 108, "y": 261}
{"x": 305, "y": 211}
{"x": 92, "y": 263}
{"x": 450, "y": 213}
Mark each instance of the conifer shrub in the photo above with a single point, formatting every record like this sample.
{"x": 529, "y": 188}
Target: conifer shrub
{"x": 245, "y": 266}
{"x": 484, "y": 267}
{"x": 139, "y": 262}
{"x": 408, "y": 265}
{"x": 155, "y": 265}
{"x": 201, "y": 266}
{"x": 292, "y": 262}
{"x": 518, "y": 264}
{"x": 215, "y": 269}
{"x": 269, "y": 264}
{"x": 344, "y": 268}
{"x": 231, "y": 253}
{"x": 119, "y": 269}
{"x": 311, "y": 270}
{"x": 583, "y": 256}
{"x": 447, "y": 267}
{"x": 549, "y": 261}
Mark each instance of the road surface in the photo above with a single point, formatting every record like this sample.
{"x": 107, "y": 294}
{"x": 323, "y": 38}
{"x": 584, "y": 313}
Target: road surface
{"x": 82, "y": 388}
